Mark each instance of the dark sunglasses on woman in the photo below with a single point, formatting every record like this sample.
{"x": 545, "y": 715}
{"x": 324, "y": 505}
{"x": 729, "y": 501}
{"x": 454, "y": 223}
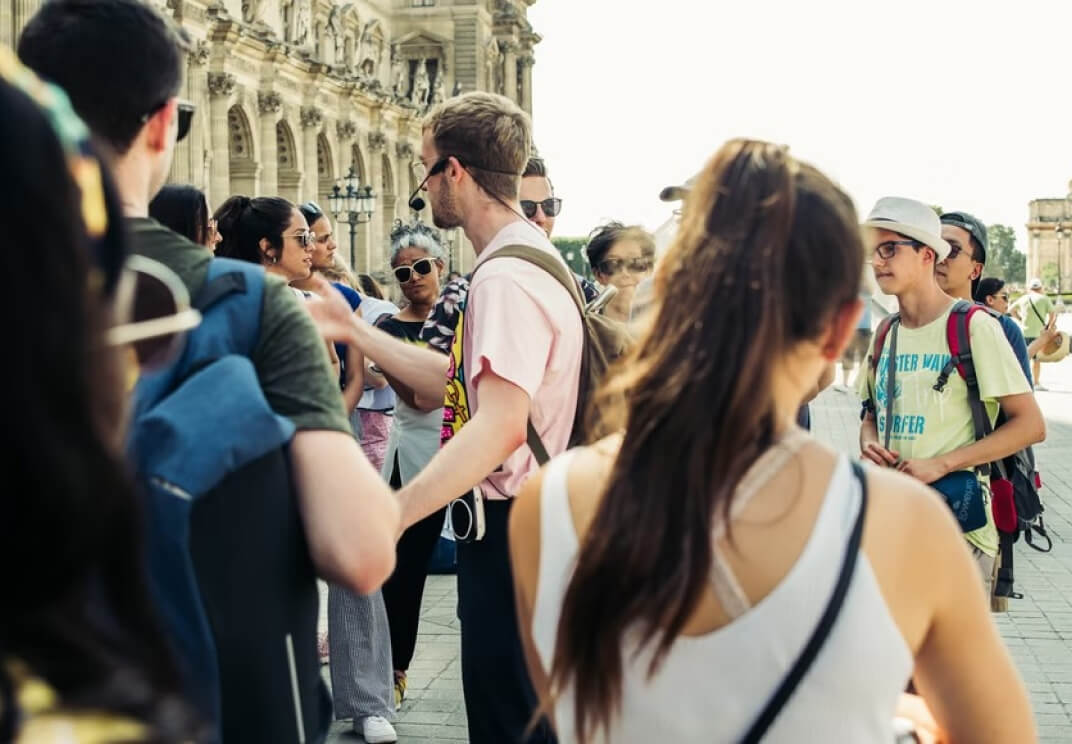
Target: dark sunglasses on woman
{"x": 611, "y": 266}
{"x": 422, "y": 266}
{"x": 550, "y": 207}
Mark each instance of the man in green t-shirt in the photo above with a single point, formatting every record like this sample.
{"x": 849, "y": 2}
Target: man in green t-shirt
{"x": 1036, "y": 312}
{"x": 929, "y": 433}
{"x": 350, "y": 516}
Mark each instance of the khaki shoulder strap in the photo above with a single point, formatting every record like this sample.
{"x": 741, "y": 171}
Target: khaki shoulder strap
{"x": 564, "y": 276}
{"x": 544, "y": 260}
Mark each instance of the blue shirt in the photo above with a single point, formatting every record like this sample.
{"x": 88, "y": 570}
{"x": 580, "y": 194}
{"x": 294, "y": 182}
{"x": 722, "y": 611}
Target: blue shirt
{"x": 1018, "y": 344}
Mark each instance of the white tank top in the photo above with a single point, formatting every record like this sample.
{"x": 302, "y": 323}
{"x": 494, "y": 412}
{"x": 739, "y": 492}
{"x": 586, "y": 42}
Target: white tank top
{"x": 710, "y": 688}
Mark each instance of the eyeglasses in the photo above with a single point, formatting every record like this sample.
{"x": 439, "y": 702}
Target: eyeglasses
{"x": 160, "y": 313}
{"x": 422, "y": 266}
{"x": 422, "y": 172}
{"x": 611, "y": 266}
{"x": 1004, "y": 296}
{"x": 888, "y": 249}
{"x": 955, "y": 249}
{"x": 305, "y": 238}
{"x": 186, "y": 112}
{"x": 551, "y": 207}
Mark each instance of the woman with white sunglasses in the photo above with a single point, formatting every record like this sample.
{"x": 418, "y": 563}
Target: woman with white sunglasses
{"x": 417, "y": 264}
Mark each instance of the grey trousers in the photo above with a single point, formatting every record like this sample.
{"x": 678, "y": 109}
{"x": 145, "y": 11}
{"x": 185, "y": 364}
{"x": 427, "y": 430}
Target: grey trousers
{"x": 362, "y": 676}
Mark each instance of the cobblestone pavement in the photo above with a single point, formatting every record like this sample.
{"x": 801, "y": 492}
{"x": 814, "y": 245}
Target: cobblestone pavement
{"x": 1037, "y": 628}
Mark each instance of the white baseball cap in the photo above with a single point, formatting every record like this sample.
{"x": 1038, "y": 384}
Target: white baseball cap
{"x": 1035, "y": 283}
{"x": 910, "y": 218}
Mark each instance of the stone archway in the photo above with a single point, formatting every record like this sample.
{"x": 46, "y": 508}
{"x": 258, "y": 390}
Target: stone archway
{"x": 244, "y": 169}
{"x": 287, "y": 159}
{"x": 325, "y": 169}
{"x": 388, "y": 201}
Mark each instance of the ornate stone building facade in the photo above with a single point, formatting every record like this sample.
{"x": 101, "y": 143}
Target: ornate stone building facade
{"x": 291, "y": 93}
{"x": 1049, "y": 242}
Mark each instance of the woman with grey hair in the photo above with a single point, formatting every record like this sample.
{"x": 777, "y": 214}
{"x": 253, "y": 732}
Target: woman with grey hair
{"x": 417, "y": 262}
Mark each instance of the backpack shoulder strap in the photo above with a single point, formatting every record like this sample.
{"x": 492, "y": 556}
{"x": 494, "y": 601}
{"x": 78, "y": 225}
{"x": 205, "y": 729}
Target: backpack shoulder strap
{"x": 877, "y": 344}
{"x": 241, "y": 284}
{"x": 545, "y": 261}
{"x": 562, "y": 274}
{"x": 958, "y": 336}
{"x": 879, "y": 341}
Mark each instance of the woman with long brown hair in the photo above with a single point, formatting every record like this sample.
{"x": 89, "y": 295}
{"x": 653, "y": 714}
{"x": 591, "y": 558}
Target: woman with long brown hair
{"x": 670, "y": 576}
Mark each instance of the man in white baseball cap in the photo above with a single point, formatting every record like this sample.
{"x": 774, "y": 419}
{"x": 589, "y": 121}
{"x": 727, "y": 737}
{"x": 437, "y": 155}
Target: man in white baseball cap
{"x": 917, "y": 413}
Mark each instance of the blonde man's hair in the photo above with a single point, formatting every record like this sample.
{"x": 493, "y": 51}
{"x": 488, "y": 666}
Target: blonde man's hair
{"x": 339, "y": 271}
{"x": 489, "y": 135}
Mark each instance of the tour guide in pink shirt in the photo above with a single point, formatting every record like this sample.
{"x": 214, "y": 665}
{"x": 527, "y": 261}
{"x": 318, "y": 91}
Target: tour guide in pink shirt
{"x": 517, "y": 354}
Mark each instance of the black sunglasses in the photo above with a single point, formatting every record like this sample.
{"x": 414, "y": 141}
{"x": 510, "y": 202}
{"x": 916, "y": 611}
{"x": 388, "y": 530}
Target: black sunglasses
{"x": 611, "y": 266}
{"x": 422, "y": 266}
{"x": 186, "y": 112}
{"x": 551, "y": 207}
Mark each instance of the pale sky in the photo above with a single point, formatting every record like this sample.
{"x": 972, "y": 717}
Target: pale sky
{"x": 957, "y": 103}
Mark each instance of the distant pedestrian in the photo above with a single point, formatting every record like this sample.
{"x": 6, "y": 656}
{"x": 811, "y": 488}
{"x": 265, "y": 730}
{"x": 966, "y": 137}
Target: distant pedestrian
{"x": 1036, "y": 313}
{"x": 184, "y": 210}
{"x": 621, "y": 256}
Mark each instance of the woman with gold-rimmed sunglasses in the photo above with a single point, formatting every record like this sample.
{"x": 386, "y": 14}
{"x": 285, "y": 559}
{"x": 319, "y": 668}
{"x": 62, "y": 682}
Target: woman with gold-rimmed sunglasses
{"x": 81, "y": 649}
{"x": 267, "y": 230}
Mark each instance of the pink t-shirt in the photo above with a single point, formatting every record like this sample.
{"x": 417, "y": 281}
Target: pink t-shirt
{"x": 522, "y": 325}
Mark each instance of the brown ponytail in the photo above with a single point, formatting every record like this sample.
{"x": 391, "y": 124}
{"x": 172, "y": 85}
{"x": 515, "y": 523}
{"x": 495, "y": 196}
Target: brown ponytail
{"x": 768, "y": 249}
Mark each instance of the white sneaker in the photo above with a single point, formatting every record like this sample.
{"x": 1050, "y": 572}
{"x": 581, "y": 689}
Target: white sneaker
{"x": 377, "y": 730}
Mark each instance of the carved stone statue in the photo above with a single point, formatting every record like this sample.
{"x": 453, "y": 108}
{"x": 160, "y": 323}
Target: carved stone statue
{"x": 439, "y": 91}
{"x": 303, "y": 22}
{"x": 399, "y": 76}
{"x": 252, "y": 10}
{"x": 333, "y": 34}
{"x": 492, "y": 65}
{"x": 419, "y": 95}
{"x": 369, "y": 51}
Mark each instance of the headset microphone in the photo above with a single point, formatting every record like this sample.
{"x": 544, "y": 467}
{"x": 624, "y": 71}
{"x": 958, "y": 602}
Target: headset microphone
{"x": 416, "y": 203}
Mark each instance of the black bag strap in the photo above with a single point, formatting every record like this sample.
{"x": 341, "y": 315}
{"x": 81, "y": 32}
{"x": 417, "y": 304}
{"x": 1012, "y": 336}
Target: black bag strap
{"x": 822, "y": 631}
{"x": 891, "y": 372}
{"x": 1036, "y": 312}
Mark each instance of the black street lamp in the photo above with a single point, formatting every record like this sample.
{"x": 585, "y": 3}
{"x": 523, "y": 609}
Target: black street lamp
{"x": 357, "y": 202}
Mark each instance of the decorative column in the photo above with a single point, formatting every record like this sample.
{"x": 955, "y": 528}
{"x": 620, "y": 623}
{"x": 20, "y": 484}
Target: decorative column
{"x": 525, "y": 63}
{"x": 510, "y": 69}
{"x": 312, "y": 119}
{"x": 346, "y": 131}
{"x": 269, "y": 104}
{"x": 24, "y": 11}
{"x": 377, "y": 235}
{"x": 7, "y": 25}
{"x": 220, "y": 87}
{"x": 197, "y": 84}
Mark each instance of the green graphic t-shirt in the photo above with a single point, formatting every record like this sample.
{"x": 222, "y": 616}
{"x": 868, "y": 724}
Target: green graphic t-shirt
{"x": 1030, "y": 307}
{"x": 926, "y": 423}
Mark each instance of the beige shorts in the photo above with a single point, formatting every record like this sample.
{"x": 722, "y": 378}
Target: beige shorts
{"x": 988, "y": 567}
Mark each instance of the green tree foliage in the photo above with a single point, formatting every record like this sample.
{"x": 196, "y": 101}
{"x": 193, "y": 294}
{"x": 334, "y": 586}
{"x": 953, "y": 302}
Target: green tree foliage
{"x": 1002, "y": 258}
{"x": 1048, "y": 275}
{"x": 572, "y": 250}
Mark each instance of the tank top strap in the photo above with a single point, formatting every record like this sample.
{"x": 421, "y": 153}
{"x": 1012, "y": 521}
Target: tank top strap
{"x": 559, "y": 545}
{"x": 727, "y": 588}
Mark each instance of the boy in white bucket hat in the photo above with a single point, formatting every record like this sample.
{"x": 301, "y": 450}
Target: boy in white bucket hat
{"x": 911, "y": 423}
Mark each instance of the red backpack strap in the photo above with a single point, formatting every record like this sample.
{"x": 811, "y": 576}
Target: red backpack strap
{"x": 958, "y": 336}
{"x": 879, "y": 340}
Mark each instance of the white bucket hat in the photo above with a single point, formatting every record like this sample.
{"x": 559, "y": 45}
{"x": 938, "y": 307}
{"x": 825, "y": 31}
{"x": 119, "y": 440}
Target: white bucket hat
{"x": 910, "y": 218}
{"x": 1056, "y": 350}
